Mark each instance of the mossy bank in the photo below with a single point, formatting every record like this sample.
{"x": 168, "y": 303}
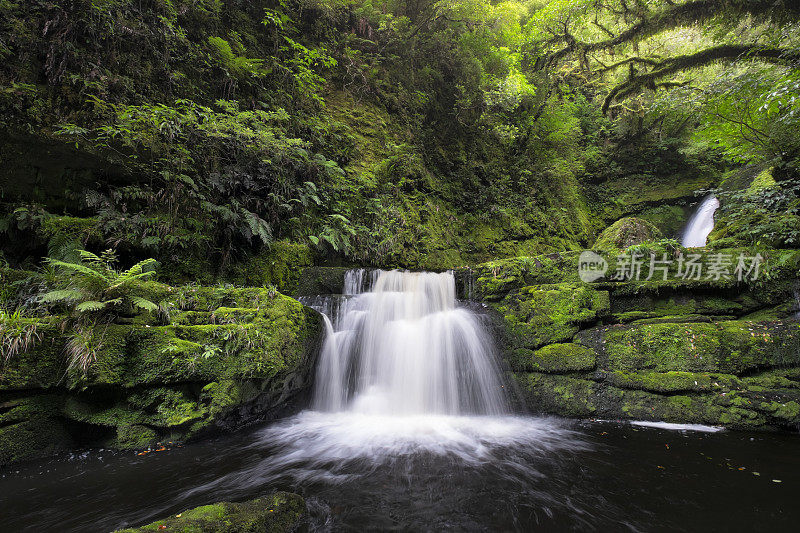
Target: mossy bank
{"x": 224, "y": 358}
{"x": 707, "y": 351}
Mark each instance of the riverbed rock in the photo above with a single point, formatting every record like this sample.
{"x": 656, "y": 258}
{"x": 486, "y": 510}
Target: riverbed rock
{"x": 280, "y": 512}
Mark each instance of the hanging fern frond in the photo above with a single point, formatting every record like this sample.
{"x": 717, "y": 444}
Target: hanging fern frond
{"x": 91, "y": 305}
{"x": 143, "y": 303}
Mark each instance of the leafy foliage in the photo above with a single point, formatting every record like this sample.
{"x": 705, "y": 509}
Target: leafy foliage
{"x": 422, "y": 134}
{"x": 93, "y": 288}
{"x": 17, "y": 333}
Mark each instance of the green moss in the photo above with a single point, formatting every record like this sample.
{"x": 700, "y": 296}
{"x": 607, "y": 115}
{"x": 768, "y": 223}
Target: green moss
{"x": 495, "y": 279}
{"x": 733, "y": 347}
{"x": 150, "y": 383}
{"x": 561, "y": 358}
{"x": 321, "y": 280}
{"x": 41, "y": 366}
{"x": 30, "y": 428}
{"x": 280, "y": 266}
{"x": 546, "y": 314}
{"x": 669, "y": 219}
{"x": 626, "y": 232}
{"x": 763, "y": 180}
{"x": 79, "y": 230}
{"x": 785, "y": 378}
{"x": 564, "y": 395}
{"x": 32, "y": 439}
{"x": 673, "y": 381}
{"x": 277, "y": 513}
{"x": 135, "y": 436}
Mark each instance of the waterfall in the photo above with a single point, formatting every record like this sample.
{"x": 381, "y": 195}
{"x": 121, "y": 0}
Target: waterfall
{"x": 701, "y": 223}
{"x": 405, "y": 374}
{"x": 398, "y": 344}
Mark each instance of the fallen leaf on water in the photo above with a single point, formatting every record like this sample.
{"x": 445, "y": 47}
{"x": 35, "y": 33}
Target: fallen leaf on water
{"x": 162, "y": 526}
{"x": 776, "y": 480}
{"x": 742, "y": 468}
{"x": 178, "y": 515}
{"x": 756, "y": 473}
{"x": 661, "y": 467}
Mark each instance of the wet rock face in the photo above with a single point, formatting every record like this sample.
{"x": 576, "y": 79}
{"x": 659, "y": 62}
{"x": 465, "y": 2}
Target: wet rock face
{"x": 280, "y": 512}
{"x": 228, "y": 358}
{"x": 710, "y": 352}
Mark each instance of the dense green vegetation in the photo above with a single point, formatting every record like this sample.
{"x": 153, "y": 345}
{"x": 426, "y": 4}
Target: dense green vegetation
{"x": 393, "y": 133}
{"x": 234, "y": 144}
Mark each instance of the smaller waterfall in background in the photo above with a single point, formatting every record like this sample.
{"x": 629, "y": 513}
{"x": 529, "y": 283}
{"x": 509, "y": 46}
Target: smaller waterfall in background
{"x": 701, "y": 223}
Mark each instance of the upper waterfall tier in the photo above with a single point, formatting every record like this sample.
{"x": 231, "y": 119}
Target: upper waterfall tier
{"x": 701, "y": 223}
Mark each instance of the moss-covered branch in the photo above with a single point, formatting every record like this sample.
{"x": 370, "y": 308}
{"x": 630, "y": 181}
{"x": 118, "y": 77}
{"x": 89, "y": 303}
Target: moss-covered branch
{"x": 674, "y": 65}
{"x": 673, "y": 16}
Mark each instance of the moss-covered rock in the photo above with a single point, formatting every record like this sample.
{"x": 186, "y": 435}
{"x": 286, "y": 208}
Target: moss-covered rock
{"x": 280, "y": 266}
{"x": 627, "y": 232}
{"x": 672, "y": 381}
{"x": 670, "y": 397}
{"x": 556, "y": 358}
{"x": 321, "y": 280}
{"x": 739, "y": 374}
{"x": 731, "y": 347}
{"x": 148, "y": 383}
{"x": 280, "y": 512}
{"x": 545, "y": 314}
{"x": 494, "y": 280}
{"x": 30, "y": 428}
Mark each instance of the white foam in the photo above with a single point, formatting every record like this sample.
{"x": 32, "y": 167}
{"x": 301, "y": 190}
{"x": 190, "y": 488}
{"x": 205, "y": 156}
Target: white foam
{"x": 677, "y": 427}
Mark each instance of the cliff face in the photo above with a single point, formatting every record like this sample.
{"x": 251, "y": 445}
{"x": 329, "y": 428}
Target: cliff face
{"x": 226, "y": 359}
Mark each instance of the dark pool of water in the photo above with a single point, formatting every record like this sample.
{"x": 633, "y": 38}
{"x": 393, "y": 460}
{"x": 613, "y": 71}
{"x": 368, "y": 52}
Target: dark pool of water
{"x": 581, "y": 476}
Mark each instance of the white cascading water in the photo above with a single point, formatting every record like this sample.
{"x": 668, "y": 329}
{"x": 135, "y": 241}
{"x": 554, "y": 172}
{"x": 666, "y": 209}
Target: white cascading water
{"x": 700, "y": 224}
{"x": 403, "y": 347}
{"x": 404, "y": 372}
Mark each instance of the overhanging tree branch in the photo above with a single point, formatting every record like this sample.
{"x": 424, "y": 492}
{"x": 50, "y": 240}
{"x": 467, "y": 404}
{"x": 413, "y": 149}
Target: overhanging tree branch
{"x": 674, "y": 65}
{"x": 671, "y": 17}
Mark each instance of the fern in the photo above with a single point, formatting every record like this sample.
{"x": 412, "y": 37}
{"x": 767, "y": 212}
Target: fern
{"x": 93, "y": 287}
{"x": 62, "y": 295}
{"x": 90, "y": 305}
{"x": 143, "y": 303}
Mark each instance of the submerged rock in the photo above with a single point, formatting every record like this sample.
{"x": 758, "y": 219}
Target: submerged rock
{"x": 281, "y": 512}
